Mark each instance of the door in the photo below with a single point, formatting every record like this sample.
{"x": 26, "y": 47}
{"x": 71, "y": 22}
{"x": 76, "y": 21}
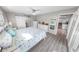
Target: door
{"x": 73, "y": 36}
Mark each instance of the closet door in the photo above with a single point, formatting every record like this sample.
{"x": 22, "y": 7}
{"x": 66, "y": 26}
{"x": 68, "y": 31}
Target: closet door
{"x": 75, "y": 40}
{"x": 71, "y": 26}
{"x": 74, "y": 34}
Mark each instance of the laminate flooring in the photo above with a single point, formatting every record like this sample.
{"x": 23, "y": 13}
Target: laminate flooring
{"x": 52, "y": 43}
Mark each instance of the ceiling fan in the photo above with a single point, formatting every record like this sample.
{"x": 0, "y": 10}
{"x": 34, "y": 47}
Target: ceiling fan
{"x": 34, "y": 11}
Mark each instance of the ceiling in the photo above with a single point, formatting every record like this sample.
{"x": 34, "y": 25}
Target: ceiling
{"x": 42, "y": 9}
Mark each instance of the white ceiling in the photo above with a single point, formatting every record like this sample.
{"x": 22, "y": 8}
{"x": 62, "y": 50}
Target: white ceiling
{"x": 43, "y": 9}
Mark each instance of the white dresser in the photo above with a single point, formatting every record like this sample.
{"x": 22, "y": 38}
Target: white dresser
{"x": 43, "y": 27}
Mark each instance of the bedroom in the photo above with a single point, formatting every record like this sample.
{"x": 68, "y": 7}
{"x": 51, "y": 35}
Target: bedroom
{"x": 38, "y": 28}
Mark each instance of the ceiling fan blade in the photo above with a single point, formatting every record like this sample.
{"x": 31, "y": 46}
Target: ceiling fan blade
{"x": 34, "y": 10}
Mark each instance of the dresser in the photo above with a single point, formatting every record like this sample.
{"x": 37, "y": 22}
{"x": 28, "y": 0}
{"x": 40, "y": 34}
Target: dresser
{"x": 43, "y": 27}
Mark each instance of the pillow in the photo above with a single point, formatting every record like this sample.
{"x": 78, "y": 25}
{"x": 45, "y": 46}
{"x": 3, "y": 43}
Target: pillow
{"x": 11, "y": 32}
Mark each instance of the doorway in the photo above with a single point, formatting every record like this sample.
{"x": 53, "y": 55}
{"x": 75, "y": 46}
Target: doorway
{"x": 63, "y": 24}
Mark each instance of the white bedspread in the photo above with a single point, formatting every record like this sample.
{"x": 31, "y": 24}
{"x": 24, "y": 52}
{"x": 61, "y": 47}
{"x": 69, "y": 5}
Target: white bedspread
{"x": 30, "y": 30}
{"x": 27, "y": 37}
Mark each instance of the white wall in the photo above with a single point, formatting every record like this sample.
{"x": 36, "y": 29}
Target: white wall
{"x": 12, "y": 19}
{"x": 55, "y": 15}
{"x": 3, "y": 13}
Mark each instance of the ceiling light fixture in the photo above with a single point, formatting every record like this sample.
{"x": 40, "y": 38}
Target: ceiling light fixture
{"x": 33, "y": 13}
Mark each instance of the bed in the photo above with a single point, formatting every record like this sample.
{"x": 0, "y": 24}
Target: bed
{"x": 25, "y": 39}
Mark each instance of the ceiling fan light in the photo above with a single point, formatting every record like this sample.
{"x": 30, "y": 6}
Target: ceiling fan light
{"x": 33, "y": 13}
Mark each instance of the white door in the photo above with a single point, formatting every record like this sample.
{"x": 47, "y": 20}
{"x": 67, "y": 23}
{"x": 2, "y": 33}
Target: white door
{"x": 73, "y": 36}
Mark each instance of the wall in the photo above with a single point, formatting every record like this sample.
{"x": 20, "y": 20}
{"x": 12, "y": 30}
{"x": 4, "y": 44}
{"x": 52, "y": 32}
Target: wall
{"x": 47, "y": 17}
{"x": 4, "y": 15}
{"x": 12, "y": 19}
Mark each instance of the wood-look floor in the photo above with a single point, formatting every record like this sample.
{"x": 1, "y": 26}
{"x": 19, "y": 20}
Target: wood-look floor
{"x": 52, "y": 43}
